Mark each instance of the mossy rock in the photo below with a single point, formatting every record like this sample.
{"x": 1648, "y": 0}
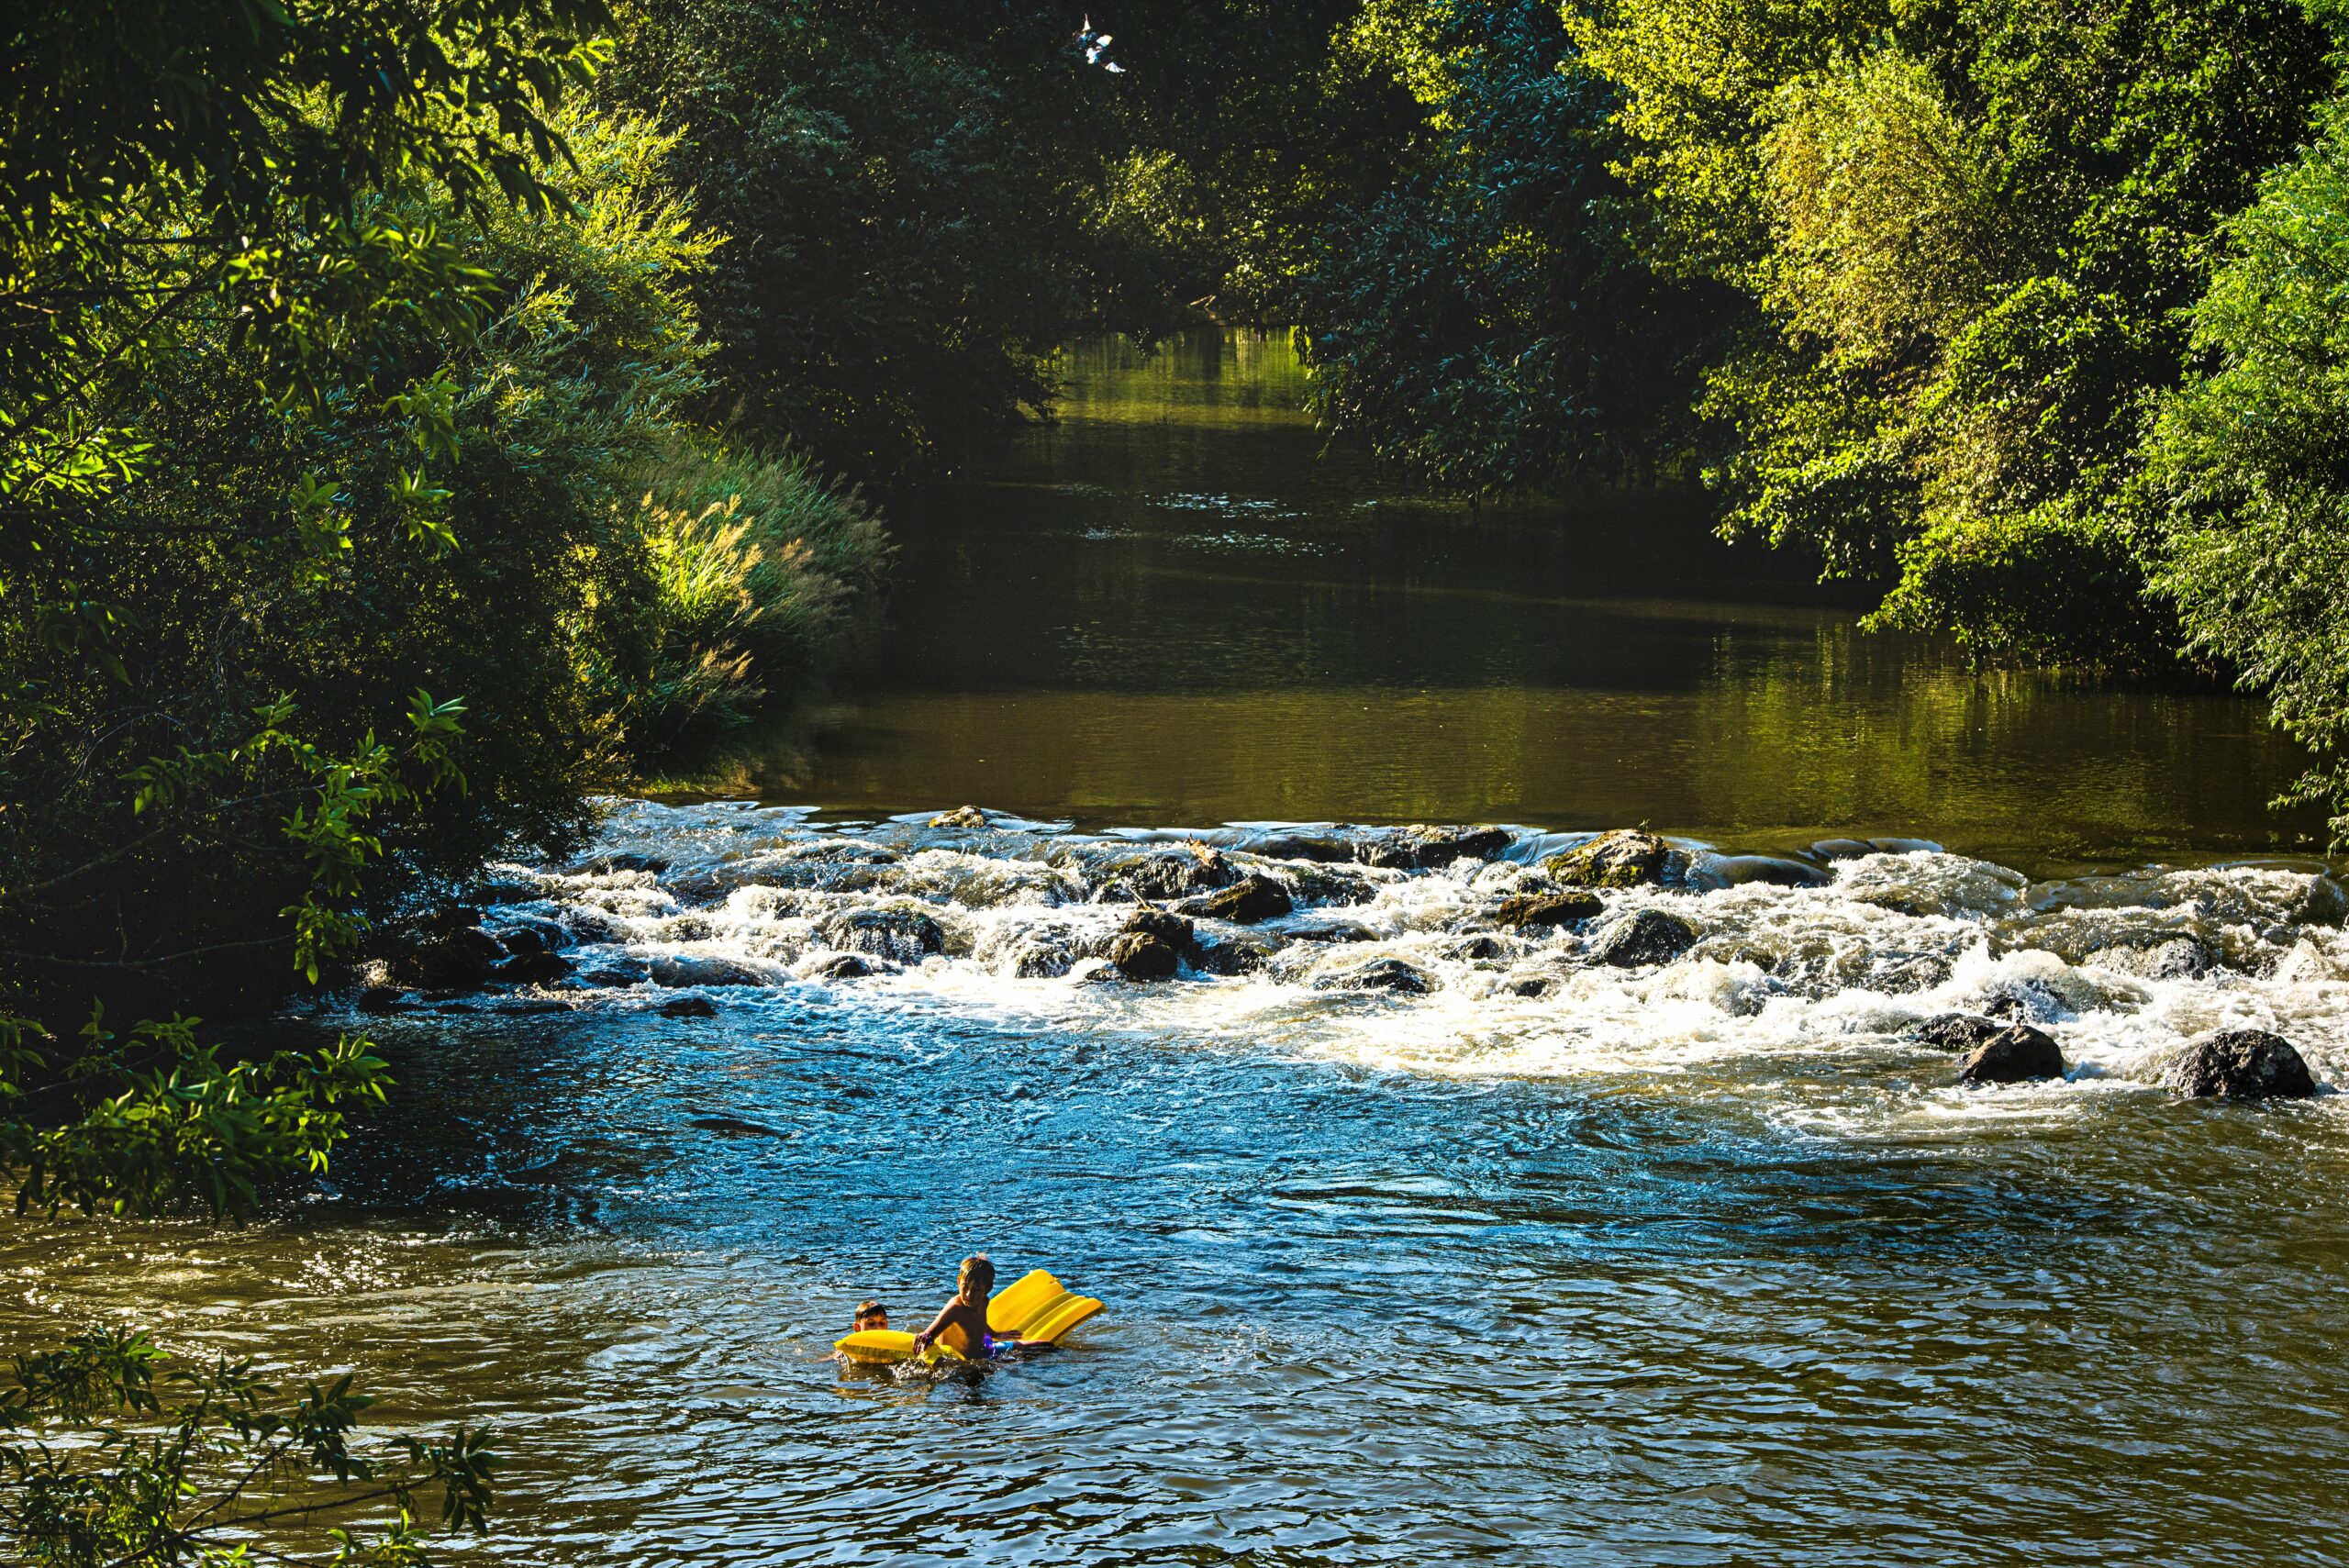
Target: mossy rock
{"x": 1628, "y": 857}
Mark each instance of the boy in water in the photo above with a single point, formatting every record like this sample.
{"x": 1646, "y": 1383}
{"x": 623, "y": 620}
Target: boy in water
{"x": 962, "y": 1324}
{"x": 871, "y": 1315}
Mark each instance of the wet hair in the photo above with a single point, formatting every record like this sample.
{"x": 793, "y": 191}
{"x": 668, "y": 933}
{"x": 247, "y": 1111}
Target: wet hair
{"x": 981, "y": 1267}
{"x": 869, "y": 1309}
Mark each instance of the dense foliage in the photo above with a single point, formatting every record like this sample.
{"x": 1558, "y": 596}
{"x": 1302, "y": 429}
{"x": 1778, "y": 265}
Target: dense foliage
{"x": 1488, "y": 321}
{"x": 2249, "y": 478}
{"x": 904, "y": 188}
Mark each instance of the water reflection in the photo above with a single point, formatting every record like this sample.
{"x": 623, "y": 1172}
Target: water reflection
{"x": 1173, "y": 607}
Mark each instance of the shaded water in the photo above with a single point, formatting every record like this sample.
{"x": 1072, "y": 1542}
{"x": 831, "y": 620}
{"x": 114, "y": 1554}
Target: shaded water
{"x": 1538, "y": 1258}
{"x": 1174, "y": 608}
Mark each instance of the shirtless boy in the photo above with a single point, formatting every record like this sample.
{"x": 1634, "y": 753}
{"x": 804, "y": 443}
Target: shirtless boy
{"x": 962, "y": 1324}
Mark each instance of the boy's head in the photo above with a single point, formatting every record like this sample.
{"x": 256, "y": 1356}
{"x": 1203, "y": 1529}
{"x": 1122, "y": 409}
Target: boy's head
{"x": 977, "y": 1278}
{"x": 871, "y": 1315}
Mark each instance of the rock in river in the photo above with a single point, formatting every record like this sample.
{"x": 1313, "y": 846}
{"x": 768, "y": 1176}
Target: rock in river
{"x": 2016, "y": 1054}
{"x": 1253, "y": 898}
{"x": 1379, "y": 974}
{"x": 961, "y": 817}
{"x": 903, "y": 936}
{"x": 1650, "y": 936}
{"x": 1138, "y": 955}
{"x": 2242, "y": 1064}
{"x": 1420, "y": 847}
{"x": 689, "y": 1007}
{"x": 1548, "y": 909}
{"x": 1957, "y": 1031}
{"x": 540, "y": 968}
{"x": 1625, "y": 858}
{"x": 1172, "y": 929}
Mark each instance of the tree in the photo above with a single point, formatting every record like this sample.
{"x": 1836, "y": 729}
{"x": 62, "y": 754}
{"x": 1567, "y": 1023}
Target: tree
{"x": 2247, "y": 483}
{"x": 1489, "y": 323}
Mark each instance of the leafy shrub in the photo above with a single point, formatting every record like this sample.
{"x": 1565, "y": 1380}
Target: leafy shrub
{"x": 758, "y": 565}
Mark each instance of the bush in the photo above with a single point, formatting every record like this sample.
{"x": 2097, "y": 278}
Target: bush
{"x": 758, "y": 565}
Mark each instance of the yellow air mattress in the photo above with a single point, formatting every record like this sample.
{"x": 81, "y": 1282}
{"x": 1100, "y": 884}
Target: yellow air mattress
{"x": 1037, "y": 1309}
{"x": 884, "y": 1347}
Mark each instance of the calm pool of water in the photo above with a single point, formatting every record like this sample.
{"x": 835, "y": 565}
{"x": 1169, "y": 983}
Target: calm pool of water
{"x": 1174, "y": 608}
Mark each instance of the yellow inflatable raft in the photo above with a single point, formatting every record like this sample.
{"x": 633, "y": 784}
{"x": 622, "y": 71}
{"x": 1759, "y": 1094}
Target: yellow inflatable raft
{"x": 1037, "y": 1309}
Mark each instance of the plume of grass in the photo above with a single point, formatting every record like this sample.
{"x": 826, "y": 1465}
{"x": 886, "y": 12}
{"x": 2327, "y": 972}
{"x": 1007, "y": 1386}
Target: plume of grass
{"x": 758, "y": 565}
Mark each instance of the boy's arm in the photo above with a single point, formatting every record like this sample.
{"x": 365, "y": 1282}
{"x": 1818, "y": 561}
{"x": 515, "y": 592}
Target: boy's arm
{"x": 937, "y": 1327}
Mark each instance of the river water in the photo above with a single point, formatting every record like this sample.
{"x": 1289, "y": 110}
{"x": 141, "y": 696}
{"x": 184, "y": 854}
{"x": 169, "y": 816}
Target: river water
{"x": 1424, "y": 1239}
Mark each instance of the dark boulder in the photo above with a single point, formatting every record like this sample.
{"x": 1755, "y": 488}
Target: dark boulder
{"x": 1532, "y": 909}
{"x": 902, "y": 936}
{"x": 522, "y": 943}
{"x": 1485, "y": 947}
{"x": 1957, "y": 1032}
{"x": 1528, "y": 985}
{"x": 1321, "y": 848}
{"x": 1253, "y": 898}
{"x": 1166, "y": 875}
{"x": 1379, "y": 974}
{"x": 626, "y": 972}
{"x": 1625, "y": 858}
{"x": 838, "y": 966}
{"x": 689, "y": 1007}
{"x": 2242, "y": 1064}
{"x": 1420, "y": 847}
{"x": 453, "y": 958}
{"x": 961, "y": 817}
{"x": 1142, "y": 956}
{"x": 1645, "y": 937}
{"x": 1334, "y": 931}
{"x": 1160, "y": 925}
{"x": 1842, "y": 849}
{"x": 540, "y": 968}
{"x": 2016, "y": 1054}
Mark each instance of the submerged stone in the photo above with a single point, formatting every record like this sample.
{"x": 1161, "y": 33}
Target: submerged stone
{"x": 676, "y": 971}
{"x": 1626, "y": 857}
{"x": 1535, "y": 909}
{"x": 2016, "y": 1054}
{"x": 837, "y": 966}
{"x": 1233, "y": 958}
{"x": 1739, "y": 871}
{"x": 1648, "y": 936}
{"x": 607, "y": 865}
{"x": 689, "y": 1007}
{"x": 2242, "y": 1064}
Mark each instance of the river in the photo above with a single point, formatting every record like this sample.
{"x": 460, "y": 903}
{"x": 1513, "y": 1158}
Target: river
{"x": 1527, "y": 1258}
